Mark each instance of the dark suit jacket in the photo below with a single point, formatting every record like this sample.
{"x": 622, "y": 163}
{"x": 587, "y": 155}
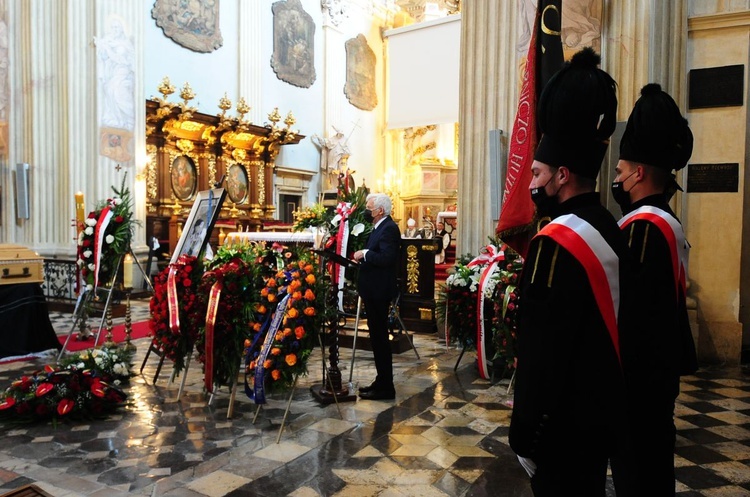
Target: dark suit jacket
{"x": 377, "y": 273}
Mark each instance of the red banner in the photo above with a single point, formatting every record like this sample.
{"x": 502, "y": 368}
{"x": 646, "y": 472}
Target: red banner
{"x": 517, "y": 212}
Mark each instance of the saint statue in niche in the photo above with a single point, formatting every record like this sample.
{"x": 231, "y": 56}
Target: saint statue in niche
{"x": 115, "y": 54}
{"x": 333, "y": 151}
{"x": 293, "y": 44}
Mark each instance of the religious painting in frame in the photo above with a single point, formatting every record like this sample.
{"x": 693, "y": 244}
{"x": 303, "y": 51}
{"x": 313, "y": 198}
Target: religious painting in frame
{"x": 183, "y": 177}
{"x": 237, "y": 183}
{"x": 293, "y": 44}
{"x": 200, "y": 223}
{"x": 193, "y": 25}
{"x": 360, "y": 74}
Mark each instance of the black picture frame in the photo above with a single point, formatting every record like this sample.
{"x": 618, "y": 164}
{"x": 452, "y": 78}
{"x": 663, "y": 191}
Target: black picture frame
{"x": 197, "y": 229}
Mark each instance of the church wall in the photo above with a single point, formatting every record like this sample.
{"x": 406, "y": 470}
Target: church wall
{"x": 713, "y": 222}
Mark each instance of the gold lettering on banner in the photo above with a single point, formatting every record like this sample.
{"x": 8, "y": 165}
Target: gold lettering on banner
{"x": 412, "y": 269}
{"x": 545, "y": 29}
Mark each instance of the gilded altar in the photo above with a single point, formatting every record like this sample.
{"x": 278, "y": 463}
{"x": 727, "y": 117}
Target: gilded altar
{"x": 189, "y": 151}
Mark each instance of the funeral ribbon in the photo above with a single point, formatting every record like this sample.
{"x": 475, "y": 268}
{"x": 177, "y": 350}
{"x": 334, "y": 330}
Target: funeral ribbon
{"x": 172, "y": 303}
{"x": 343, "y": 211}
{"x": 99, "y": 230}
{"x": 491, "y": 257}
{"x": 259, "y": 393}
{"x": 213, "y": 309}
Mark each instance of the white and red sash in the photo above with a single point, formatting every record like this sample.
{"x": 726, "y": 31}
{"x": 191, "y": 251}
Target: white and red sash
{"x": 673, "y": 233}
{"x": 600, "y": 262}
{"x": 99, "y": 239}
{"x": 490, "y": 257}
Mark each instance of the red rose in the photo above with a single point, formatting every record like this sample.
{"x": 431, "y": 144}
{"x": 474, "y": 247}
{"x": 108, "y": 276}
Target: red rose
{"x": 119, "y": 219}
{"x": 87, "y": 243}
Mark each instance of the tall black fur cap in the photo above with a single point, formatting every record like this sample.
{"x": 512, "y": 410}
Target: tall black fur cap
{"x": 657, "y": 134}
{"x": 577, "y": 113}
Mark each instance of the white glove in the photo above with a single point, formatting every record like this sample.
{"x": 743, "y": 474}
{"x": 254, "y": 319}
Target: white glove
{"x": 528, "y": 465}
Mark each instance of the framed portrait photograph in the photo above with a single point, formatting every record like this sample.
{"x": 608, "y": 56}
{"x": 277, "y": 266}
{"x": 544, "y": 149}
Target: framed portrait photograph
{"x": 184, "y": 177}
{"x": 200, "y": 223}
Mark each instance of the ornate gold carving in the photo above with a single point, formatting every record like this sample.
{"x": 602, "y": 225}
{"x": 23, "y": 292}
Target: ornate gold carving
{"x": 261, "y": 186}
{"x": 412, "y": 269}
{"x": 239, "y": 154}
{"x": 185, "y": 146}
{"x": 152, "y": 188}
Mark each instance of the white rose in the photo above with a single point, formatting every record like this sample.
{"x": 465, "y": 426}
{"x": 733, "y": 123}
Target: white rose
{"x": 90, "y": 221}
{"x": 80, "y": 238}
{"x": 87, "y": 254}
{"x": 79, "y": 262}
{"x": 91, "y": 267}
{"x": 109, "y": 238}
{"x": 116, "y": 382}
{"x": 119, "y": 369}
{"x": 98, "y": 361}
{"x": 89, "y": 287}
{"x": 117, "y": 200}
{"x": 80, "y": 365}
{"x": 89, "y": 231}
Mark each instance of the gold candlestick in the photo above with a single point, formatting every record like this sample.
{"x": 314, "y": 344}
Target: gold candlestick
{"x": 109, "y": 342}
{"x": 129, "y": 347}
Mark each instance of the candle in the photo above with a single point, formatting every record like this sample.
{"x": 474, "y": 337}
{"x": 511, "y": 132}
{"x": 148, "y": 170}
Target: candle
{"x": 127, "y": 274}
{"x": 80, "y": 209}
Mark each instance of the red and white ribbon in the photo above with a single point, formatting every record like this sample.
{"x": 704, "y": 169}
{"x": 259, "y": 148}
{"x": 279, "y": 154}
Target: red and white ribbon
{"x": 172, "y": 303}
{"x": 492, "y": 257}
{"x": 99, "y": 231}
{"x": 343, "y": 211}
{"x": 211, "y": 312}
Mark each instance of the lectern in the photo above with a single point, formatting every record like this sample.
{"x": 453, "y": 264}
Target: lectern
{"x": 417, "y": 284}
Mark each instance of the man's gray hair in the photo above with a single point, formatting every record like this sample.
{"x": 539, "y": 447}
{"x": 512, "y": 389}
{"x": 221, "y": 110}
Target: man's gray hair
{"x": 381, "y": 201}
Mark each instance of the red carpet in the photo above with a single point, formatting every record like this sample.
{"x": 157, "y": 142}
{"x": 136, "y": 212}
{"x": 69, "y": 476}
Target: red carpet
{"x": 139, "y": 330}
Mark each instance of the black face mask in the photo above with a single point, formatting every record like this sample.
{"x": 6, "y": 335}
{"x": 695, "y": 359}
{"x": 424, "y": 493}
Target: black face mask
{"x": 622, "y": 196}
{"x": 368, "y": 215}
{"x": 546, "y": 205}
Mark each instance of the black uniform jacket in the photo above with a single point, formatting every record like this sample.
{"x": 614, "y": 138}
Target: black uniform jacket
{"x": 377, "y": 273}
{"x": 569, "y": 379}
{"x": 661, "y": 347}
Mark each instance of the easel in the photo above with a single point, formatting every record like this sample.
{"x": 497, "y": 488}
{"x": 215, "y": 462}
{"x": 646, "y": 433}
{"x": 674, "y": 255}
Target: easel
{"x": 86, "y": 297}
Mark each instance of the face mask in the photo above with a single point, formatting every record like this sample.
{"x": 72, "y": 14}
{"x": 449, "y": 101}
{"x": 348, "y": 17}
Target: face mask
{"x": 368, "y": 215}
{"x": 622, "y": 196}
{"x": 546, "y": 205}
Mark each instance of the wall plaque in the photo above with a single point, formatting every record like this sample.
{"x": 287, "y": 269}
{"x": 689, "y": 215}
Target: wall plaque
{"x": 360, "y": 74}
{"x": 716, "y": 87}
{"x": 293, "y": 44}
{"x": 713, "y": 178}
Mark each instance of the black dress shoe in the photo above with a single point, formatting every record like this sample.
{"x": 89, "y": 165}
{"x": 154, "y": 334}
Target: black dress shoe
{"x": 369, "y": 388}
{"x": 378, "y": 394}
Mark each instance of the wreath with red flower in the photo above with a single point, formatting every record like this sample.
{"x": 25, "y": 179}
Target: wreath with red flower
{"x": 290, "y": 346}
{"x": 54, "y": 393}
{"x": 234, "y": 269}
{"x": 505, "y": 316}
{"x": 105, "y": 236}
{"x": 176, "y": 344}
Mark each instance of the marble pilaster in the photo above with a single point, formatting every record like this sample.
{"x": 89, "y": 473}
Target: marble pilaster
{"x": 250, "y": 64}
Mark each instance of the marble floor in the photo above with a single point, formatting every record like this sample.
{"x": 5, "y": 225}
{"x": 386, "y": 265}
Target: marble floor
{"x": 445, "y": 434}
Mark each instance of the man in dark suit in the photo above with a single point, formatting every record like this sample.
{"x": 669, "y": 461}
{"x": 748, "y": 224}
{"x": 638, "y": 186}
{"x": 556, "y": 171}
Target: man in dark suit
{"x": 657, "y": 139}
{"x": 377, "y": 288}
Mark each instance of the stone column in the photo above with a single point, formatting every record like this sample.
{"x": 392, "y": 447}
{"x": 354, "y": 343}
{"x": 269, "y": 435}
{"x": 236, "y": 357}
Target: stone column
{"x": 488, "y": 94}
{"x": 250, "y": 62}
